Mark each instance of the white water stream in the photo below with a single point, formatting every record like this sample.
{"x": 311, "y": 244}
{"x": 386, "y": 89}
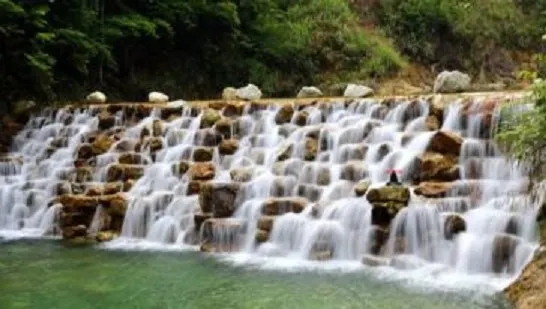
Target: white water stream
{"x": 356, "y": 142}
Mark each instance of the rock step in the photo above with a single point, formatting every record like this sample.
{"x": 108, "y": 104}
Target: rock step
{"x": 279, "y": 206}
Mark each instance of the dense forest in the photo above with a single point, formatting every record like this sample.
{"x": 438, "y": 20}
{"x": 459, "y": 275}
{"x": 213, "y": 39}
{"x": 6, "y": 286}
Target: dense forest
{"x": 57, "y": 50}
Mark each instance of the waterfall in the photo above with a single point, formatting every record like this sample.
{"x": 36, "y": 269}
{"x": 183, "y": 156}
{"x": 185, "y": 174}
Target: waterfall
{"x": 283, "y": 181}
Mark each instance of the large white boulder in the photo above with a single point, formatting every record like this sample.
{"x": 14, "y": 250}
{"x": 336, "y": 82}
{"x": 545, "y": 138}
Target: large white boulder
{"x": 451, "y": 82}
{"x": 309, "y": 92}
{"x": 249, "y": 92}
{"x": 96, "y": 97}
{"x": 157, "y": 97}
{"x": 229, "y": 94}
{"x": 357, "y": 91}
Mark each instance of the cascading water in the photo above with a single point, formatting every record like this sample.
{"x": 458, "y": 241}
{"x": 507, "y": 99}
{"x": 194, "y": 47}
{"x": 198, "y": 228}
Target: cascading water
{"x": 281, "y": 182}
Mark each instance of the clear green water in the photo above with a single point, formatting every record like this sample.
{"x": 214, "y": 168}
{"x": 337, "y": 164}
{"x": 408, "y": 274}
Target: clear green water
{"x": 48, "y": 275}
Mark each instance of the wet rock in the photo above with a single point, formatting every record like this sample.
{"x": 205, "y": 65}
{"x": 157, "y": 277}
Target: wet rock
{"x": 309, "y": 92}
{"x": 181, "y": 168}
{"x": 301, "y": 118}
{"x": 379, "y": 237}
{"x": 387, "y": 202}
{"x": 63, "y": 188}
{"x": 285, "y": 153}
{"x": 106, "y": 121}
{"x": 504, "y": 247}
{"x": 451, "y": 82}
{"x": 353, "y": 171}
{"x": 72, "y": 232}
{"x": 208, "y": 137}
{"x": 77, "y": 201}
{"x": 82, "y": 174}
{"x": 202, "y": 171}
{"x": 202, "y": 154}
{"x": 224, "y": 126}
{"x": 115, "y": 204}
{"x": 220, "y": 235}
{"x": 261, "y": 236}
{"x": 309, "y": 191}
{"x": 279, "y": 206}
{"x": 125, "y": 145}
{"x": 357, "y": 91}
{"x": 311, "y": 149}
{"x": 362, "y": 187}
{"x": 157, "y": 127}
{"x": 128, "y": 184}
{"x": 85, "y": 152}
{"x": 194, "y": 187}
{"x": 131, "y": 158}
{"x": 374, "y": 261}
{"x": 453, "y": 225}
{"x": 514, "y": 225}
{"x": 433, "y": 189}
{"x": 284, "y": 114}
{"x": 321, "y": 255}
{"x": 218, "y": 199}
{"x": 199, "y": 218}
{"x": 250, "y": 92}
{"x": 445, "y": 142}
{"x": 209, "y": 118}
{"x": 229, "y": 94}
{"x": 122, "y": 172}
{"x": 154, "y": 144}
{"x": 384, "y": 212}
{"x": 432, "y": 123}
{"x": 265, "y": 223}
{"x": 102, "y": 144}
{"x": 241, "y": 174}
{"x": 435, "y": 166}
{"x": 228, "y": 147}
{"x": 233, "y": 109}
{"x": 105, "y": 236}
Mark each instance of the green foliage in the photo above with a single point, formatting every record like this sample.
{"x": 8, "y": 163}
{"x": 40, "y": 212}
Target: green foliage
{"x": 190, "y": 48}
{"x": 475, "y": 36}
{"x": 522, "y": 132}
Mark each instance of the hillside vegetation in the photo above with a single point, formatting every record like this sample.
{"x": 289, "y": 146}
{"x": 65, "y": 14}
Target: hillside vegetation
{"x": 61, "y": 50}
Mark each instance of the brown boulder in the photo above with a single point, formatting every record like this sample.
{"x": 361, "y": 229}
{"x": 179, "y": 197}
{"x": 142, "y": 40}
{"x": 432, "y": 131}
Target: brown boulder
{"x": 262, "y": 236}
{"x": 82, "y": 174}
{"x": 102, "y": 144}
{"x": 218, "y": 199}
{"x": 105, "y": 236}
{"x": 301, "y": 118}
{"x": 181, "y": 168}
{"x": 85, "y": 151}
{"x": 202, "y": 154}
{"x": 433, "y": 189}
{"x": 106, "y": 121}
{"x": 362, "y": 187}
{"x": 157, "y": 127}
{"x": 453, "y": 225}
{"x": 266, "y": 223}
{"x": 279, "y": 206}
{"x": 199, "y": 218}
{"x": 233, "y": 109}
{"x": 220, "y": 235}
{"x": 504, "y": 248}
{"x": 447, "y": 143}
{"x": 154, "y": 144}
{"x": 76, "y": 201}
{"x": 131, "y": 158}
{"x": 209, "y": 118}
{"x": 228, "y": 146}
{"x": 202, "y": 171}
{"x": 432, "y": 123}
{"x": 194, "y": 186}
{"x": 386, "y": 194}
{"x": 225, "y": 127}
{"x": 435, "y": 166}
{"x": 122, "y": 172}
{"x": 284, "y": 114}
{"x": 311, "y": 149}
